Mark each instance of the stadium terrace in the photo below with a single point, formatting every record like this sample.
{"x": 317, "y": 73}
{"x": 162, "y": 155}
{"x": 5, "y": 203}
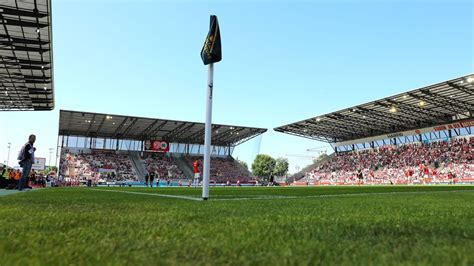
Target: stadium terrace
{"x": 107, "y": 148}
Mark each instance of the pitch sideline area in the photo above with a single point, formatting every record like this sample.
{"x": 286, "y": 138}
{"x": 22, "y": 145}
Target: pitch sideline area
{"x": 275, "y": 193}
{"x": 293, "y": 225}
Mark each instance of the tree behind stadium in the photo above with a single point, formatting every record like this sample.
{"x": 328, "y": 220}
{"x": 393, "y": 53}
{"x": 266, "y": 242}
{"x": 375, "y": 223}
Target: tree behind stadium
{"x": 263, "y": 165}
{"x": 281, "y": 167}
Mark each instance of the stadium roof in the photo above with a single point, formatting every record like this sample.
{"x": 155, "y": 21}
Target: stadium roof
{"x": 75, "y": 123}
{"x": 26, "y": 59}
{"x": 437, "y": 104}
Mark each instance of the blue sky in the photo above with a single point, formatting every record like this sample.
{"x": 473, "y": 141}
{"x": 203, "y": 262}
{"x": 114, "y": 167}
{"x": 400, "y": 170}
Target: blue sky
{"x": 283, "y": 61}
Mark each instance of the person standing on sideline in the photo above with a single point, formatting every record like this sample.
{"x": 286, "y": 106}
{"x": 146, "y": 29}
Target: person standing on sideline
{"x": 26, "y": 158}
{"x": 197, "y": 173}
{"x": 152, "y": 178}
{"x": 147, "y": 177}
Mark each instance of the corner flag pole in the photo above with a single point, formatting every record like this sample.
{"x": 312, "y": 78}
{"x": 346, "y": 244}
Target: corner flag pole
{"x": 208, "y": 133}
{"x": 211, "y": 53}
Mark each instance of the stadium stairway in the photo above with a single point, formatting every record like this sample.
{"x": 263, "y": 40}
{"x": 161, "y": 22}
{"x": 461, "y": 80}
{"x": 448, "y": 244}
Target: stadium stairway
{"x": 138, "y": 166}
{"x": 184, "y": 166}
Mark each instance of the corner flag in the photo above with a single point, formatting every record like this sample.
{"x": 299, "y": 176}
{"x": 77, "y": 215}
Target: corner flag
{"x": 211, "y": 51}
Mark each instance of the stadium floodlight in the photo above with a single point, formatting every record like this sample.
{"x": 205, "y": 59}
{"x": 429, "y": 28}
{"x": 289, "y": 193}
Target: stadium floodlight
{"x": 470, "y": 79}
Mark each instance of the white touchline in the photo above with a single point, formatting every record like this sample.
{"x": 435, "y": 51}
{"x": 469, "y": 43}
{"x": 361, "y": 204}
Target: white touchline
{"x": 152, "y": 194}
{"x": 271, "y": 197}
{"x": 344, "y": 195}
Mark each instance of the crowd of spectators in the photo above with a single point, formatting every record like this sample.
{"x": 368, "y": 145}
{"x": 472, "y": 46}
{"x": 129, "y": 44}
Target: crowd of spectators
{"x": 98, "y": 167}
{"x": 162, "y": 166}
{"x": 223, "y": 169}
{"x": 410, "y": 163}
{"x": 9, "y": 178}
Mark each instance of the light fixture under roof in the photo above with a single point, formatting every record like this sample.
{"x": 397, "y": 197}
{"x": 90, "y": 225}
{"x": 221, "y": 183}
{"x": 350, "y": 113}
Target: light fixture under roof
{"x": 37, "y": 30}
{"x": 318, "y": 119}
{"x": 470, "y": 79}
{"x": 405, "y": 96}
{"x": 393, "y": 109}
{"x": 422, "y": 103}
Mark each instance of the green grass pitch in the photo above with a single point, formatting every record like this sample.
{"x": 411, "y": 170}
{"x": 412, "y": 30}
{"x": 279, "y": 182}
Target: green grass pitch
{"x": 411, "y": 225}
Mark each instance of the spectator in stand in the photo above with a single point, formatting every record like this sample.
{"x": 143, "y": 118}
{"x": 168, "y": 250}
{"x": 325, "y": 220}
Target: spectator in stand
{"x": 223, "y": 168}
{"x": 409, "y": 163}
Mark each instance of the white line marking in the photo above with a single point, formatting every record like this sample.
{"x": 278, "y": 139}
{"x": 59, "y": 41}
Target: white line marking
{"x": 344, "y": 195}
{"x": 152, "y": 194}
{"x": 271, "y": 197}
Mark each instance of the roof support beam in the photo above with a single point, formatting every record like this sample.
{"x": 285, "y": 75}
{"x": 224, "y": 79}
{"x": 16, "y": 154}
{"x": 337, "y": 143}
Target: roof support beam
{"x": 461, "y": 88}
{"x": 370, "y": 127}
{"x": 176, "y": 133}
{"x": 156, "y": 130}
{"x": 458, "y": 106}
{"x": 428, "y": 115}
{"x": 125, "y": 132}
{"x": 90, "y": 125}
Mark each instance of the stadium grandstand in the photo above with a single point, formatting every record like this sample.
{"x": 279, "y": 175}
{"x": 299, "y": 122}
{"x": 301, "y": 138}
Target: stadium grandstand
{"x": 26, "y": 65}
{"x": 420, "y": 136}
{"x": 117, "y": 149}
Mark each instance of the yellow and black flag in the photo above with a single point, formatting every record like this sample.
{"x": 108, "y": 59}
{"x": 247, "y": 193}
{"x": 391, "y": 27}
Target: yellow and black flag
{"x": 211, "y": 51}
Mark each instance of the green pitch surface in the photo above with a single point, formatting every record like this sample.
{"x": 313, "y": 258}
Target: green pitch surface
{"x": 239, "y": 226}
